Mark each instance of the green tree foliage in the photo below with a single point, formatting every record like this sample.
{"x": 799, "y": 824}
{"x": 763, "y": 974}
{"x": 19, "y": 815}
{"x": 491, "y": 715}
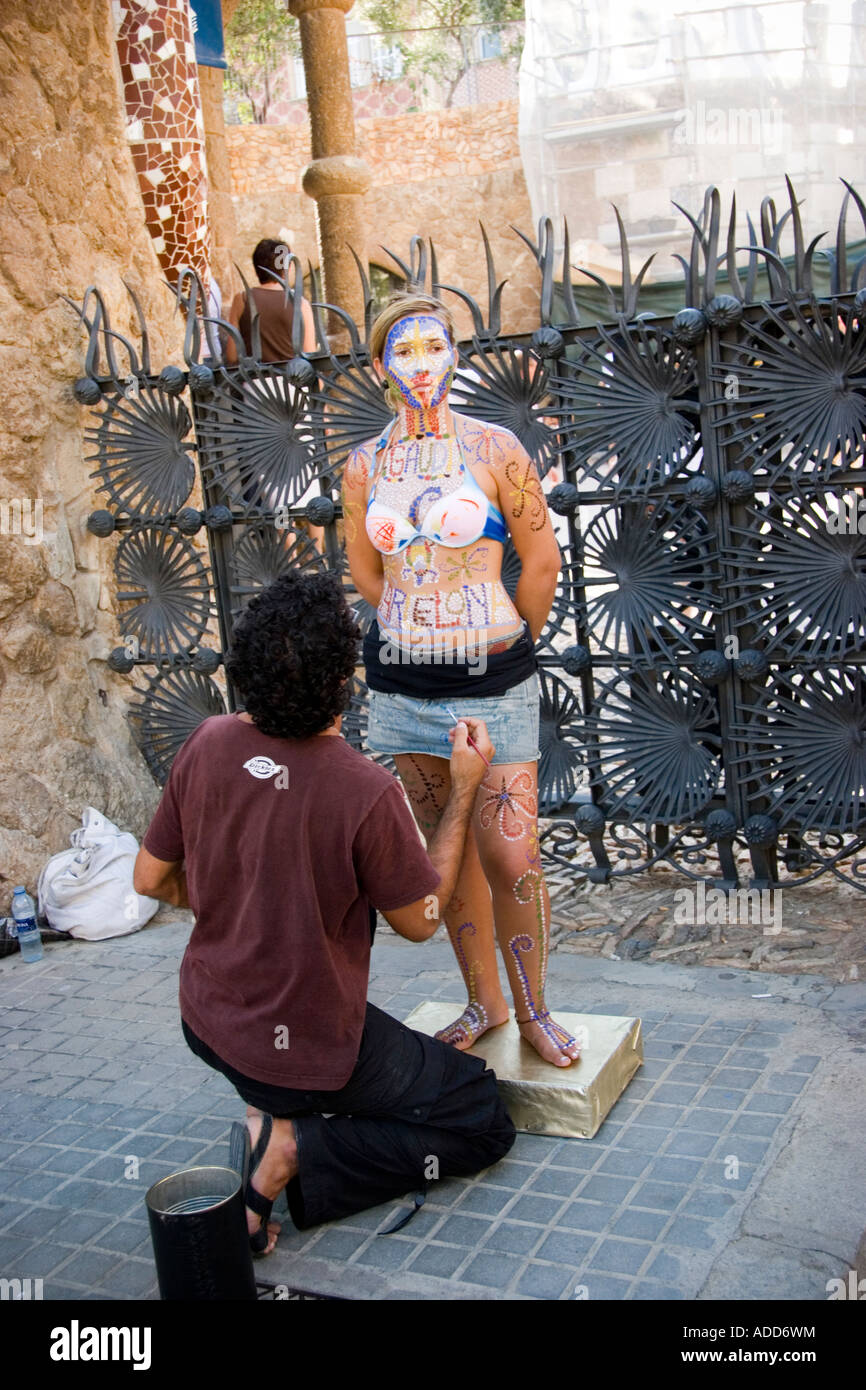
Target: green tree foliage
{"x": 261, "y": 35}
{"x": 436, "y": 37}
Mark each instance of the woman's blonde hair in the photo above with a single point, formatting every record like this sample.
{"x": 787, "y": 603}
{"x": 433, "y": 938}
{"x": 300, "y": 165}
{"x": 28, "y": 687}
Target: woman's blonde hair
{"x": 400, "y": 306}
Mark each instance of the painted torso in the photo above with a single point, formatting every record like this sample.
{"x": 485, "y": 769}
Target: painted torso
{"x": 437, "y": 589}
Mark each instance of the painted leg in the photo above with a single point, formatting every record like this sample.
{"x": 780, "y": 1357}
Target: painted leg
{"x": 506, "y": 831}
{"x": 469, "y": 914}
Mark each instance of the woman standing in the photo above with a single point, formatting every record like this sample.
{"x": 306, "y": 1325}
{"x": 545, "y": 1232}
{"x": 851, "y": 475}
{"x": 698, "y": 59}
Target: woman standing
{"x": 428, "y": 507}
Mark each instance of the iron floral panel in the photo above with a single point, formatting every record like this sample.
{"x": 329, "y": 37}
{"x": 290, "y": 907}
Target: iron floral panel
{"x": 173, "y": 704}
{"x": 701, "y": 667}
{"x": 143, "y": 451}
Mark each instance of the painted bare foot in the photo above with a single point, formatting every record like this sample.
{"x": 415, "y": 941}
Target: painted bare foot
{"x": 551, "y": 1041}
{"x": 277, "y": 1167}
{"x": 474, "y": 1021}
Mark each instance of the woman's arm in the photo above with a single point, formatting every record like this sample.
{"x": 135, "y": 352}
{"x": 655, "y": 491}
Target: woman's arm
{"x": 522, "y": 503}
{"x": 365, "y": 562}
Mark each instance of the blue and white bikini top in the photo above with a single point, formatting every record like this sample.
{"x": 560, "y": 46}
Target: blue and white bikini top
{"x": 457, "y": 519}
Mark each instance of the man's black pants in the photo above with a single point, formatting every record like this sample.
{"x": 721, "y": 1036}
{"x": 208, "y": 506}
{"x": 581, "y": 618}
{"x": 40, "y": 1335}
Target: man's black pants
{"x": 413, "y": 1108}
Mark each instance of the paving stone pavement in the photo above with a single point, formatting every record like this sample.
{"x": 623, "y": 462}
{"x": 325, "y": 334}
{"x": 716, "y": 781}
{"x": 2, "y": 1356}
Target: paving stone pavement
{"x": 731, "y": 1168}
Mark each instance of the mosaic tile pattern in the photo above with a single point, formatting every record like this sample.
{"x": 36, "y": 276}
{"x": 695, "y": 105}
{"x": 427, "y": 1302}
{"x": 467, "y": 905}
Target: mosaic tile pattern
{"x": 165, "y": 127}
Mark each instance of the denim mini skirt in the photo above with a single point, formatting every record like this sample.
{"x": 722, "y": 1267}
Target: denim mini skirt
{"x": 400, "y": 724}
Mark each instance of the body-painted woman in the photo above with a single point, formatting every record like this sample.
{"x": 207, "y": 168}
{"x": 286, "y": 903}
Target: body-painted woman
{"x": 428, "y": 508}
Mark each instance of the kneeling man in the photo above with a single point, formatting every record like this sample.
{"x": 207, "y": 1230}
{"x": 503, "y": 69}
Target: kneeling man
{"x": 284, "y": 841}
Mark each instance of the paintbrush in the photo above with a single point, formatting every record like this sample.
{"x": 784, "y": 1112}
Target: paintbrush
{"x": 469, "y": 739}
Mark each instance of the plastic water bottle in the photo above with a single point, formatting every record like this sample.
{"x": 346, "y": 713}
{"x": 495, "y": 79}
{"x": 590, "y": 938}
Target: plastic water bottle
{"x": 24, "y": 914}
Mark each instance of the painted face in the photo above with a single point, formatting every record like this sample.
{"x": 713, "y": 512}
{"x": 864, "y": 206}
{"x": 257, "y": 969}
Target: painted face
{"x": 419, "y": 360}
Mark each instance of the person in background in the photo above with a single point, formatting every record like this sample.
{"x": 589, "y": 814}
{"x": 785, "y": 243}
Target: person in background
{"x": 276, "y": 317}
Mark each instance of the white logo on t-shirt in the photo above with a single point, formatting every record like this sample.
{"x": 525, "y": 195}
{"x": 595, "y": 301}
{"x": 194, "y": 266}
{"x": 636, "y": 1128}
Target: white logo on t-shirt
{"x": 263, "y": 768}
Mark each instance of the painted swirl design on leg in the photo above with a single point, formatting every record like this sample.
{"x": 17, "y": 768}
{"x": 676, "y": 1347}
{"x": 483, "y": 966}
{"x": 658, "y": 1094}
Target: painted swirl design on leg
{"x": 516, "y": 945}
{"x": 530, "y": 888}
{"x": 514, "y": 806}
{"x": 473, "y": 1020}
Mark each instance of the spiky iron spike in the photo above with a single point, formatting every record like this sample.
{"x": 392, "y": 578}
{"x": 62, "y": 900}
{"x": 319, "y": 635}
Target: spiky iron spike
{"x": 782, "y": 287}
{"x": 799, "y": 244}
{"x": 494, "y": 291}
{"x": 142, "y": 325}
{"x": 698, "y": 246}
{"x": 356, "y": 347}
{"x": 255, "y": 353}
{"x": 321, "y": 335}
{"x": 731, "y": 252}
{"x": 611, "y": 297}
{"x": 189, "y": 302}
{"x": 808, "y": 285}
{"x": 625, "y": 260}
{"x": 841, "y": 266}
{"x": 567, "y": 287}
{"x": 546, "y": 242}
{"x": 861, "y": 208}
{"x": 366, "y": 291}
{"x": 110, "y": 333}
{"x": 712, "y": 215}
{"x": 768, "y": 219}
{"x": 405, "y": 270}
{"x": 752, "y": 274}
{"x": 418, "y": 263}
{"x": 534, "y": 250}
{"x": 631, "y": 307}
{"x": 434, "y": 269}
{"x": 81, "y": 311}
{"x": 296, "y": 294}
{"x": 100, "y": 325}
{"x": 477, "y": 317}
{"x": 768, "y": 226}
{"x": 778, "y": 230}
{"x": 687, "y": 277}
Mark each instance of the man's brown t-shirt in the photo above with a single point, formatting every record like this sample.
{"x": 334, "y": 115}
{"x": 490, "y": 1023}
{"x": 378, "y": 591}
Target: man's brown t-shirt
{"x": 287, "y": 844}
{"x": 275, "y": 323}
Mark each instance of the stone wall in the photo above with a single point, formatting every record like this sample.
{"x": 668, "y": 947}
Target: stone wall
{"x": 70, "y": 216}
{"x": 436, "y": 174}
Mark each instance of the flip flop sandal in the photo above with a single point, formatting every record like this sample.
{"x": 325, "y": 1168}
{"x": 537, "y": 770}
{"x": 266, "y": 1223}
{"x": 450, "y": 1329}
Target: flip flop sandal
{"x": 245, "y": 1164}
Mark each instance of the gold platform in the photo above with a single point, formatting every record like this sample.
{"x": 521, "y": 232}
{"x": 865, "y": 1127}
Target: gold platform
{"x": 570, "y": 1101}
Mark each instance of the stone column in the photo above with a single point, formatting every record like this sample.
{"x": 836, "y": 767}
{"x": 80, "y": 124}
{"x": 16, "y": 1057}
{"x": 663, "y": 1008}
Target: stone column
{"x": 336, "y": 178}
{"x": 221, "y": 209}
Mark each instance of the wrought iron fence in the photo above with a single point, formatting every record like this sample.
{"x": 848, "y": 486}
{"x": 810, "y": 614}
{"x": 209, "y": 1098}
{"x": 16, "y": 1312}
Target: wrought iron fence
{"x": 702, "y": 670}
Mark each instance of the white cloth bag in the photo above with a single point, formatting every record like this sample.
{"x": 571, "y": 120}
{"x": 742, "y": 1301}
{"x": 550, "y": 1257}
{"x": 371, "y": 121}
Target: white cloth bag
{"x": 87, "y": 890}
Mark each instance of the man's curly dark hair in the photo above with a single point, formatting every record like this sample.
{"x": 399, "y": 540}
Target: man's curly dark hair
{"x": 293, "y": 649}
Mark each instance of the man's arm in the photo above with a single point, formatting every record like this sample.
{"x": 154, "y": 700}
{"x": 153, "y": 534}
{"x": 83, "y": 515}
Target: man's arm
{"x": 155, "y": 878}
{"x": 417, "y": 922}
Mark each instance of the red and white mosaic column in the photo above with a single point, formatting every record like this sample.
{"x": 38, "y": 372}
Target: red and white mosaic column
{"x": 165, "y": 127}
